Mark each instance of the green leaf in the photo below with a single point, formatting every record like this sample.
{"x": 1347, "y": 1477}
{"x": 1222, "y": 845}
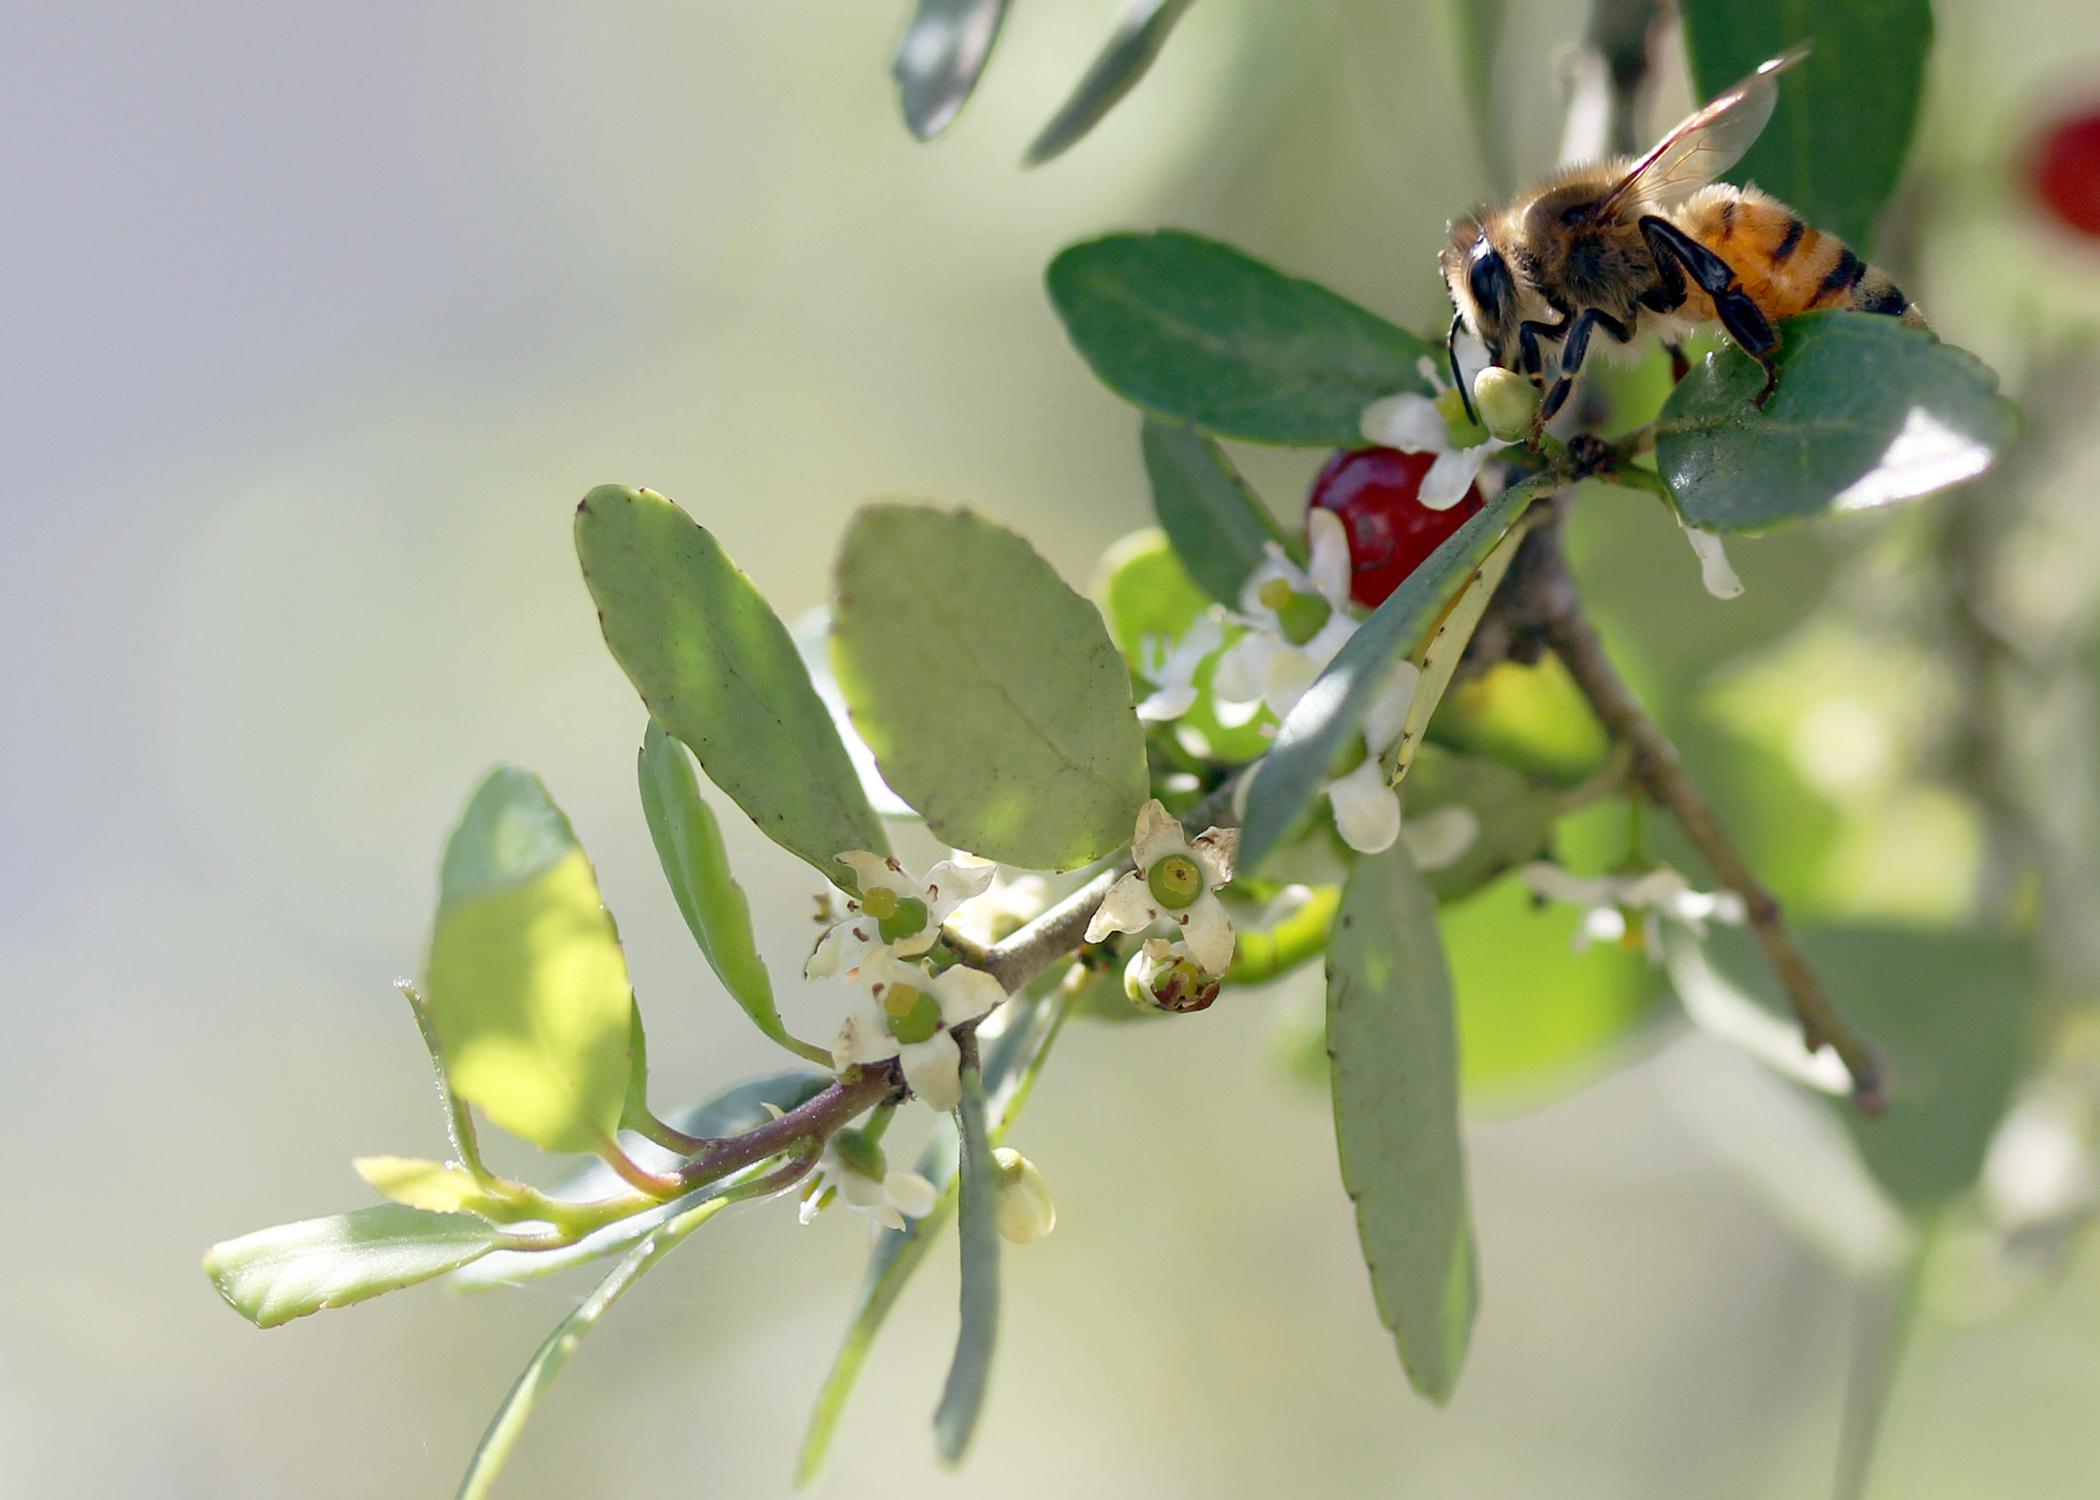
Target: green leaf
{"x": 494, "y": 1449}
{"x": 1835, "y": 146}
{"x": 1140, "y": 33}
{"x": 1528, "y": 716}
{"x": 696, "y": 864}
{"x": 717, "y": 669}
{"x": 990, "y": 692}
{"x": 527, "y": 988}
{"x": 1218, "y": 526}
{"x": 275, "y": 1275}
{"x": 1324, "y": 721}
{"x": 731, "y": 1112}
{"x": 1476, "y": 37}
{"x": 1866, "y": 412}
{"x": 1194, "y": 331}
{"x": 1394, "y": 1048}
{"x": 940, "y": 59}
{"x": 962, "y": 1396}
{"x": 436, "y": 1187}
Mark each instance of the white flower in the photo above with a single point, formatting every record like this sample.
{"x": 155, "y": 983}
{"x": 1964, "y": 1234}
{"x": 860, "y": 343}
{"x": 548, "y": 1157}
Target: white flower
{"x": 1176, "y": 879}
{"x": 1437, "y": 840}
{"x": 896, "y": 910}
{"x": 1025, "y": 1212}
{"x": 1297, "y": 619}
{"x": 1366, "y": 804}
{"x": 1714, "y": 571}
{"x": 854, "y": 1168}
{"x": 1171, "y": 668}
{"x": 1162, "y": 976}
{"x": 1416, "y": 424}
{"x": 906, "y": 1013}
{"x": 1006, "y": 903}
{"x": 1653, "y": 896}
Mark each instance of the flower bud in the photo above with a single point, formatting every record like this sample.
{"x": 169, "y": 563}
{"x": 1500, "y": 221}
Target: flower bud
{"x": 1162, "y": 976}
{"x": 860, "y": 1154}
{"x": 1024, "y": 1208}
{"x": 1507, "y": 402}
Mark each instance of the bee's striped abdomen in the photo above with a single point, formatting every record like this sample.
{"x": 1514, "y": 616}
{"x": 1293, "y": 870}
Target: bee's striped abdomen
{"x": 1787, "y": 266}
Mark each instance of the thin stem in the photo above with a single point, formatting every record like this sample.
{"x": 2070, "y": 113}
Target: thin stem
{"x": 635, "y": 1175}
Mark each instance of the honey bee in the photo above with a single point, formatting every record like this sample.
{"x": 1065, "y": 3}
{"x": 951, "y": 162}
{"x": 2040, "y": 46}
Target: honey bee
{"x": 1649, "y": 246}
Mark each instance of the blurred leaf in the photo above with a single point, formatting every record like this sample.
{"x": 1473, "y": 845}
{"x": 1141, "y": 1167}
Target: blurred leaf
{"x": 1531, "y": 718}
{"x": 494, "y": 1449}
{"x": 1011, "y": 1066}
{"x": 1476, "y": 36}
{"x": 1264, "y": 954}
{"x": 1218, "y": 525}
{"x": 275, "y": 1275}
{"x": 1835, "y": 146}
{"x": 1194, "y": 331}
{"x": 527, "y": 986}
{"x": 1515, "y": 813}
{"x": 689, "y": 845}
{"x": 940, "y": 59}
{"x": 812, "y": 633}
{"x": 977, "y": 1181}
{"x": 990, "y": 692}
{"x": 1394, "y": 1047}
{"x": 731, "y": 1112}
{"x": 716, "y": 668}
{"x": 1324, "y": 721}
{"x": 436, "y": 1187}
{"x": 1141, "y": 31}
{"x": 1867, "y": 412}
{"x": 459, "y": 1120}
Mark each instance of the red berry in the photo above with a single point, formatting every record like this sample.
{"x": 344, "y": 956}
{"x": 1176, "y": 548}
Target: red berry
{"x": 1374, "y": 491}
{"x": 2064, "y": 172}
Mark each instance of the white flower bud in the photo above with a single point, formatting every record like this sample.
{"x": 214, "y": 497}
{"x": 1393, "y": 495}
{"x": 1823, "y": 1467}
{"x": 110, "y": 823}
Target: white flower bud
{"x": 1025, "y": 1211}
{"x": 1506, "y": 401}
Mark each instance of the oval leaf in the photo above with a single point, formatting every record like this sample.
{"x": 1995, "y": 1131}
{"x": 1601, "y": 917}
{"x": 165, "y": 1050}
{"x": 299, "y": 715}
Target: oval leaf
{"x": 276, "y": 1275}
{"x": 1217, "y": 524}
{"x": 1394, "y": 1053}
{"x": 1140, "y": 33}
{"x": 1860, "y": 85}
{"x": 941, "y": 58}
{"x": 990, "y": 692}
{"x": 1197, "y": 332}
{"x": 1321, "y": 725}
{"x": 527, "y": 989}
{"x": 977, "y": 1182}
{"x": 1866, "y": 412}
{"x": 717, "y": 669}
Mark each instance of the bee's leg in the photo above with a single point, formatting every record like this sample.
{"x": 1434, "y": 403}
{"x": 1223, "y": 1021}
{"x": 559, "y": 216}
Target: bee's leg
{"x": 1679, "y": 365}
{"x": 1744, "y": 322}
{"x": 1528, "y": 335}
{"x": 1575, "y": 350}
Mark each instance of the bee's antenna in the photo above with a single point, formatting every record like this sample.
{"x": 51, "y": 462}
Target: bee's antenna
{"x": 1458, "y": 321}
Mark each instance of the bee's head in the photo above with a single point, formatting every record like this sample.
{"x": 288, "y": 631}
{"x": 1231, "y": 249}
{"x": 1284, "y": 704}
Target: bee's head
{"x": 1483, "y": 288}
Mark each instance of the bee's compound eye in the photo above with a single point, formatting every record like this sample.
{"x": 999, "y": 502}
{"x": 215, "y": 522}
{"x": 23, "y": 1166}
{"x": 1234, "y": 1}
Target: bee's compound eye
{"x": 1489, "y": 279}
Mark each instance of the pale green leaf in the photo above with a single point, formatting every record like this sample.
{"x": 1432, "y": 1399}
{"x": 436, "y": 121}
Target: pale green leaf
{"x": 962, "y": 1396}
{"x": 940, "y": 59}
{"x": 1141, "y": 31}
{"x": 1217, "y": 524}
{"x": 274, "y": 1275}
{"x": 436, "y": 1187}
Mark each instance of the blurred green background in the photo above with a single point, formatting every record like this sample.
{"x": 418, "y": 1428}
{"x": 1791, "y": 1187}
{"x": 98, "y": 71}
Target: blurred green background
{"x": 320, "y": 319}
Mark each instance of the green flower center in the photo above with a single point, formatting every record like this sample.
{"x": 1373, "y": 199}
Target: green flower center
{"x": 1465, "y": 432}
{"x": 880, "y": 903}
{"x": 907, "y": 919}
{"x": 1300, "y": 616}
{"x": 1175, "y": 882}
{"x": 861, "y": 1154}
{"x": 914, "y": 1015}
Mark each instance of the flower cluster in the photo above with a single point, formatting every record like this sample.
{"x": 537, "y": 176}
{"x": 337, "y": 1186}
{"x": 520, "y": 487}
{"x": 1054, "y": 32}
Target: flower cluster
{"x": 1630, "y": 908}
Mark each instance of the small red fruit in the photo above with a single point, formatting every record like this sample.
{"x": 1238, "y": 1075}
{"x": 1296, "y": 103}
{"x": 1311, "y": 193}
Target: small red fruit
{"x": 2064, "y": 172}
{"x": 1375, "y": 491}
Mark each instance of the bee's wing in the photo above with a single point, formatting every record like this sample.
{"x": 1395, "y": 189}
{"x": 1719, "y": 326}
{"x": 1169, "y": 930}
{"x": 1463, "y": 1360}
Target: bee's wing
{"x": 1705, "y": 145}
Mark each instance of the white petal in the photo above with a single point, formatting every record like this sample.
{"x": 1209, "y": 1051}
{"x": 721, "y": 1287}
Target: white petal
{"x": 1387, "y": 715}
{"x": 859, "y": 1191}
{"x": 1551, "y": 882}
{"x": 843, "y": 948}
{"x": 1328, "y": 542}
{"x": 864, "y": 1036}
{"x": 1451, "y": 476}
{"x": 1216, "y": 851}
{"x": 1330, "y": 638}
{"x": 1129, "y": 907}
{"x": 1245, "y": 667}
{"x": 933, "y": 1068}
{"x": 1166, "y": 704}
{"x": 1208, "y": 932}
{"x": 1233, "y": 713}
{"x": 1601, "y": 924}
{"x": 1290, "y": 673}
{"x": 964, "y": 994}
{"x": 1276, "y": 565}
{"x": 1158, "y": 835}
{"x": 1714, "y": 571}
{"x": 1441, "y": 838}
{"x": 1204, "y": 636}
{"x": 872, "y": 872}
{"x": 912, "y": 1194}
{"x": 1366, "y": 811}
{"x": 1405, "y": 421}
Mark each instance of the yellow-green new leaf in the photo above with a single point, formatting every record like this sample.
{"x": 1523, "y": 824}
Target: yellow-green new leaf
{"x": 527, "y": 990}
{"x": 275, "y": 1275}
{"x": 434, "y": 1186}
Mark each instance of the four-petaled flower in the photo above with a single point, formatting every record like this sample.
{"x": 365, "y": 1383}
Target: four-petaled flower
{"x": 907, "y": 1013}
{"x": 1171, "y": 667}
{"x": 1176, "y": 879}
{"x": 854, "y": 1168}
{"x": 896, "y": 911}
{"x": 1297, "y": 619}
{"x": 1613, "y": 902}
{"x": 1426, "y": 424}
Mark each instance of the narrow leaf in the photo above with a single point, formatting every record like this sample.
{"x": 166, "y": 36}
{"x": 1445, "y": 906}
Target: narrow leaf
{"x": 990, "y": 692}
{"x": 275, "y": 1275}
{"x": 1194, "y": 331}
{"x": 1476, "y": 39}
{"x": 941, "y": 58}
{"x": 717, "y": 669}
{"x": 1867, "y": 412}
{"x": 1141, "y": 32}
{"x": 1321, "y": 725}
{"x": 962, "y": 1396}
{"x": 1861, "y": 85}
{"x": 696, "y": 864}
{"x": 1394, "y": 1051}
{"x": 1217, "y": 524}
{"x": 527, "y": 989}
{"x": 494, "y": 1449}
